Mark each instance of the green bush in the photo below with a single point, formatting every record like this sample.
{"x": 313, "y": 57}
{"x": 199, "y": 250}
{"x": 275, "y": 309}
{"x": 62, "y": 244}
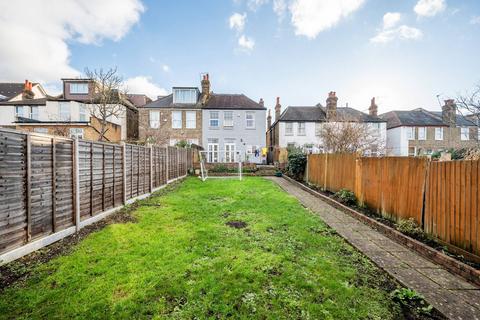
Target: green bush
{"x": 297, "y": 161}
{"x": 410, "y": 227}
{"x": 346, "y": 196}
{"x": 436, "y": 155}
{"x": 458, "y": 154}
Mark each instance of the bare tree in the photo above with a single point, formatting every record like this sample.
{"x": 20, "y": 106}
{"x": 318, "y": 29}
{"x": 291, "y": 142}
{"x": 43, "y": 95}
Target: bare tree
{"x": 469, "y": 105}
{"x": 107, "y": 97}
{"x": 351, "y": 137}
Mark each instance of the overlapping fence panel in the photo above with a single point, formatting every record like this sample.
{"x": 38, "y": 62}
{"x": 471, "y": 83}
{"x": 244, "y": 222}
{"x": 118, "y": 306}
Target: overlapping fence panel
{"x": 38, "y": 181}
{"x": 332, "y": 171}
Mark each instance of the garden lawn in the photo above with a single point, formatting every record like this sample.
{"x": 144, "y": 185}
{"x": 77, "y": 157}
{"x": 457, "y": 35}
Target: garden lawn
{"x": 181, "y": 260}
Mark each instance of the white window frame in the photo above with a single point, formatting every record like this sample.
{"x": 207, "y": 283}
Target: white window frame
{"x": 154, "y": 121}
{"x": 214, "y": 120}
{"x": 289, "y": 128}
{"x": 439, "y": 134}
{"x": 23, "y": 113}
{"x": 82, "y": 112}
{"x": 213, "y": 152}
{"x": 63, "y": 115}
{"x": 228, "y": 121}
{"x": 230, "y": 152}
{"x": 318, "y": 128}
{"x": 176, "y": 122}
{"x": 76, "y": 133}
{"x": 464, "y": 133}
{"x": 301, "y": 128}
{"x": 250, "y": 122}
{"x": 410, "y": 133}
{"x": 78, "y": 88}
{"x": 191, "y": 119}
{"x": 185, "y": 95}
{"x": 424, "y": 136}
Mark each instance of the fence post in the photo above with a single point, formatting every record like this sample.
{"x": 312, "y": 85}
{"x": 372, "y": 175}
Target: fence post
{"x": 76, "y": 175}
{"x": 124, "y": 169}
{"x": 151, "y": 168}
{"x": 29, "y": 187}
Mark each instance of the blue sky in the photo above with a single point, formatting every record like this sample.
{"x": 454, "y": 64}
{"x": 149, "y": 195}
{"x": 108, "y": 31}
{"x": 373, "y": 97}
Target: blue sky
{"x": 299, "y": 53}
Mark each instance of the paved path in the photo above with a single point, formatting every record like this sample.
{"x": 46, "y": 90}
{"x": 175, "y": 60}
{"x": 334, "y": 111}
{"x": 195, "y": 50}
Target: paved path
{"x": 448, "y": 293}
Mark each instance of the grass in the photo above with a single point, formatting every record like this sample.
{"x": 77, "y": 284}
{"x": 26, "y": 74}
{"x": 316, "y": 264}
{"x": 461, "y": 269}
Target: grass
{"x": 181, "y": 260}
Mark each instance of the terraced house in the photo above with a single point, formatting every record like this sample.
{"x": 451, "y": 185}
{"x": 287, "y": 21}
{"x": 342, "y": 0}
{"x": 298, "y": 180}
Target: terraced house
{"x": 230, "y": 127}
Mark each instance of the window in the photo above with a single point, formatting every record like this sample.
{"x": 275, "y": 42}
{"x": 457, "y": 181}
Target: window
{"x": 76, "y": 133}
{"x": 229, "y": 152}
{"x": 212, "y": 150}
{"x": 289, "y": 129}
{"x": 228, "y": 119}
{"x": 412, "y": 151}
{"x": 154, "y": 119}
{"x": 214, "y": 121}
{"x": 177, "y": 119}
{"x": 410, "y": 133}
{"x": 250, "y": 117}
{"x": 78, "y": 88}
{"x": 318, "y": 128}
{"x": 464, "y": 133}
{"x": 422, "y": 133}
{"x": 83, "y": 112}
{"x": 64, "y": 111}
{"x": 21, "y": 111}
{"x": 40, "y": 130}
{"x": 438, "y": 133}
{"x": 191, "y": 119}
{"x": 34, "y": 113}
{"x": 185, "y": 96}
{"x": 301, "y": 128}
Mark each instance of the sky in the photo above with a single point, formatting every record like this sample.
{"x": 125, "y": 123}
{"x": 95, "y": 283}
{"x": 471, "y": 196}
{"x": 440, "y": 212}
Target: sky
{"x": 407, "y": 54}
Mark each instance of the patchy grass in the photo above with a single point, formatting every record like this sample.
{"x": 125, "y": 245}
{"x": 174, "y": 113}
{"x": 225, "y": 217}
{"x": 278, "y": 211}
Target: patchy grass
{"x": 218, "y": 249}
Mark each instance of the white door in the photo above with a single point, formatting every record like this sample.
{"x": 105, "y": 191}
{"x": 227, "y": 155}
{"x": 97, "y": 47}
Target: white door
{"x": 213, "y": 152}
{"x": 229, "y": 152}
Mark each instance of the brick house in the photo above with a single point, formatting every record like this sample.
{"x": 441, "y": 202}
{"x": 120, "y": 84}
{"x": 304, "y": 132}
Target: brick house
{"x": 422, "y": 132}
{"x": 300, "y": 126}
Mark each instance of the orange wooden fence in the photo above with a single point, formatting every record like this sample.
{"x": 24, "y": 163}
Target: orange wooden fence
{"x": 442, "y": 197}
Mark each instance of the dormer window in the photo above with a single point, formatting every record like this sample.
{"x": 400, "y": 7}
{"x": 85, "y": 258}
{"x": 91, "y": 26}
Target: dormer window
{"x": 185, "y": 95}
{"x": 78, "y": 88}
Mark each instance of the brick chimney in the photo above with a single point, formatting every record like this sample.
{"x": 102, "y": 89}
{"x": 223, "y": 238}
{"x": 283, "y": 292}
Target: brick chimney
{"x": 27, "y": 90}
{"x": 269, "y": 119}
{"x": 373, "y": 109}
{"x": 449, "y": 113}
{"x": 331, "y": 105}
{"x": 278, "y": 109}
{"x": 205, "y": 88}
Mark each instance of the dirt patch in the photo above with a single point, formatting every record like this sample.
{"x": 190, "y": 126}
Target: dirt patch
{"x": 20, "y": 269}
{"x": 237, "y": 224}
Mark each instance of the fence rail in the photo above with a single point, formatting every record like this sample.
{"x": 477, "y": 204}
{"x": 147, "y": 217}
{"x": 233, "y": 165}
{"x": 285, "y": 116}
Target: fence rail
{"x": 442, "y": 197}
{"x": 52, "y": 185}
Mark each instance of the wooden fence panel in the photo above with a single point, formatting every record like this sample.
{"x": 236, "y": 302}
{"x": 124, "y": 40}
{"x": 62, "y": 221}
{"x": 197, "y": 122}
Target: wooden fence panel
{"x": 316, "y": 169}
{"x": 451, "y": 203}
{"x": 172, "y": 163}
{"x": 13, "y": 191}
{"x": 341, "y": 169}
{"x": 64, "y": 184}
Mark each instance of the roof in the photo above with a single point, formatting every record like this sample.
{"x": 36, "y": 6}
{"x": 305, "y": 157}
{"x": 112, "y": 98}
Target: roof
{"x": 26, "y": 102}
{"x": 216, "y": 101}
{"x": 11, "y": 89}
{"x": 420, "y": 117}
{"x": 318, "y": 114}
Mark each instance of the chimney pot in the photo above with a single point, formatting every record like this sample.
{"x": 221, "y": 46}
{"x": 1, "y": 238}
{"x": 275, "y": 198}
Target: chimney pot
{"x": 261, "y": 102}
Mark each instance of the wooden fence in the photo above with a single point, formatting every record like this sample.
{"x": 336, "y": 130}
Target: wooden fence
{"x": 53, "y": 185}
{"x": 442, "y": 197}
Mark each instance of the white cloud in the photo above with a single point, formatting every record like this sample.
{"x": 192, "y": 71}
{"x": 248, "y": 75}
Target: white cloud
{"x": 143, "y": 84}
{"x": 403, "y": 33}
{"x": 166, "y": 68}
{"x": 475, "y": 20}
{"x": 280, "y": 8}
{"x": 237, "y": 21}
{"x": 35, "y": 46}
{"x": 246, "y": 43}
{"x": 429, "y": 8}
{"x": 391, "y": 19}
{"x": 255, "y": 4}
{"x": 310, "y": 17}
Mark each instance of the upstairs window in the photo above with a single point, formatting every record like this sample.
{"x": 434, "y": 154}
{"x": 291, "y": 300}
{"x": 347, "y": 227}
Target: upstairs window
{"x": 464, "y": 133}
{"x": 214, "y": 120}
{"x": 422, "y": 133}
{"x": 289, "y": 129}
{"x": 21, "y": 111}
{"x": 154, "y": 119}
{"x": 78, "y": 88}
{"x": 191, "y": 119}
{"x": 301, "y": 128}
{"x": 318, "y": 128}
{"x": 250, "y": 120}
{"x": 228, "y": 119}
{"x": 83, "y": 112}
{"x": 64, "y": 111}
{"x": 177, "y": 119}
{"x": 185, "y": 95}
{"x": 438, "y": 133}
{"x": 410, "y": 131}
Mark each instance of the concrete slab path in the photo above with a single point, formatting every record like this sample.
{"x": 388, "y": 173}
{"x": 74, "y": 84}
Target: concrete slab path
{"x": 448, "y": 293}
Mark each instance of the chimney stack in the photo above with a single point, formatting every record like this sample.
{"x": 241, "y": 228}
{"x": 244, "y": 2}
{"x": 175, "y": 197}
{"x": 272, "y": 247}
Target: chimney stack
{"x": 269, "y": 119}
{"x": 261, "y": 102}
{"x": 331, "y": 106}
{"x": 278, "y": 109}
{"x": 449, "y": 113}
{"x": 205, "y": 88}
{"x": 373, "y": 109}
{"x": 27, "y": 90}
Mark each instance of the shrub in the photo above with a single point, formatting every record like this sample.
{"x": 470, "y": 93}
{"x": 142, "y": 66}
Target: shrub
{"x": 346, "y": 196}
{"x": 297, "y": 162}
{"x": 411, "y": 299}
{"x": 459, "y": 154}
{"x": 410, "y": 227}
{"x": 436, "y": 155}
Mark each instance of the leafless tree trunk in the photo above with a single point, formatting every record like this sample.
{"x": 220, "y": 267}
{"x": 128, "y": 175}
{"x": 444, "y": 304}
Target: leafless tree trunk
{"x": 106, "y": 100}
